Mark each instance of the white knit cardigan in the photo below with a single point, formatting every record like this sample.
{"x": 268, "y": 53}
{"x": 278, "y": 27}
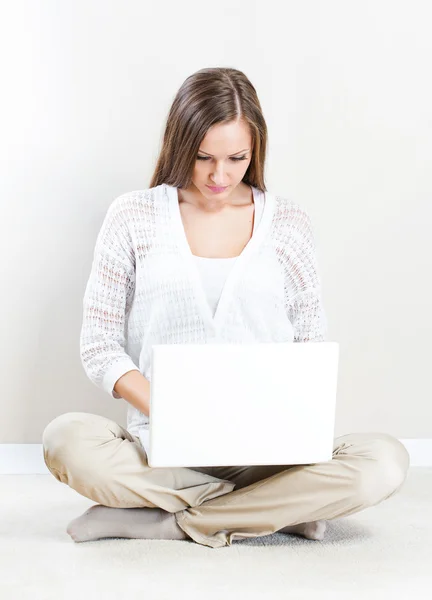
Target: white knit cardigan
{"x": 144, "y": 288}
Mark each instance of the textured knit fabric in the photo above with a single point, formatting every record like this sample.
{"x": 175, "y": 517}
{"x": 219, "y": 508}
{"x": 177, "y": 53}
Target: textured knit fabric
{"x": 144, "y": 288}
{"x": 214, "y": 271}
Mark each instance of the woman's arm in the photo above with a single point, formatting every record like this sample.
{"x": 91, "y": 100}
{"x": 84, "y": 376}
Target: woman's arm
{"x": 135, "y": 388}
{"x": 108, "y": 297}
{"x": 305, "y": 307}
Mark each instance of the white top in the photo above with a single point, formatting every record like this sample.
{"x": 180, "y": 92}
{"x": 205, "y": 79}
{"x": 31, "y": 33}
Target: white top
{"x": 214, "y": 271}
{"x": 144, "y": 288}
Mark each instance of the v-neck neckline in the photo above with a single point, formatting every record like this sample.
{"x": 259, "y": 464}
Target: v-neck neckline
{"x": 253, "y": 244}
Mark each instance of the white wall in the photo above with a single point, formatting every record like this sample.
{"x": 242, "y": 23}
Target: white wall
{"x": 346, "y": 91}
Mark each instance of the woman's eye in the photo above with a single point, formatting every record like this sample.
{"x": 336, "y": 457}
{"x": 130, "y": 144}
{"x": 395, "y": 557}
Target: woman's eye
{"x": 232, "y": 158}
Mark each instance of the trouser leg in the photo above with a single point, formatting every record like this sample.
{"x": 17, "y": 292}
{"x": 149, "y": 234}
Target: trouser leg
{"x": 102, "y": 461}
{"x": 365, "y": 469}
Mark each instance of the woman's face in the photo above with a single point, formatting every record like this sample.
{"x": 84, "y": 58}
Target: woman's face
{"x": 222, "y": 160}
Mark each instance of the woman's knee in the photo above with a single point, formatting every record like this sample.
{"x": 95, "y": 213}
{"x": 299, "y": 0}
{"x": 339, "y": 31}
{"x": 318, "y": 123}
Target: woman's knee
{"x": 387, "y": 470}
{"x": 62, "y": 435}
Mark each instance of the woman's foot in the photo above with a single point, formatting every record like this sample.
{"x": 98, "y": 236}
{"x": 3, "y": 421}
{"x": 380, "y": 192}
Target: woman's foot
{"x": 143, "y": 523}
{"x": 312, "y": 531}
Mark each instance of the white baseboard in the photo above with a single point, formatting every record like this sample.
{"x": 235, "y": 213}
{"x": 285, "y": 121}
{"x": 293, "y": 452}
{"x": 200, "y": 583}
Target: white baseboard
{"x": 27, "y": 459}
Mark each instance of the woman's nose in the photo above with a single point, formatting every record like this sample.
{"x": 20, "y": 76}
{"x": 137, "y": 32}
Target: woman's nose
{"x": 219, "y": 175}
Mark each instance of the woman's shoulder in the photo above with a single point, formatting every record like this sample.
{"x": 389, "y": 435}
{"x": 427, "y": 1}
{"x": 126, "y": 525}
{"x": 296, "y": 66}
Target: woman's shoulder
{"x": 291, "y": 214}
{"x": 135, "y": 198}
{"x": 131, "y": 212}
{"x": 136, "y": 205}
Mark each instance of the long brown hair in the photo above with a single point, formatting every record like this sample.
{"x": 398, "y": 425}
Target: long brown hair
{"x": 207, "y": 97}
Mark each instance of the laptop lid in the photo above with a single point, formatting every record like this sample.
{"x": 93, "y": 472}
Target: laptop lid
{"x": 242, "y": 404}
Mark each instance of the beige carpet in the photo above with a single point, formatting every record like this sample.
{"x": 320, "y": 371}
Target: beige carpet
{"x": 384, "y": 552}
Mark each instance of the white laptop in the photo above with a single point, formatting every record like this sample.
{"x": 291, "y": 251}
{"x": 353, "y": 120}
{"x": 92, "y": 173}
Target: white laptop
{"x": 242, "y": 404}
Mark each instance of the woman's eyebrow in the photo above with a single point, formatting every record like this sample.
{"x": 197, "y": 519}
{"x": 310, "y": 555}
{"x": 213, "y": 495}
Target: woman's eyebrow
{"x": 246, "y": 149}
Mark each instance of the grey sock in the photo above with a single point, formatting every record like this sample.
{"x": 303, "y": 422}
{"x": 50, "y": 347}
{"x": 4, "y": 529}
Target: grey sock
{"x": 143, "y": 523}
{"x": 313, "y": 530}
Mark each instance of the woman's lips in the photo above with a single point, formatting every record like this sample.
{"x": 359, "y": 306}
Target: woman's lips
{"x": 217, "y": 189}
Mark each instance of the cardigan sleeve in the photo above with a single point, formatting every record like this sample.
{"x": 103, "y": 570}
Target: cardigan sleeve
{"x": 305, "y": 305}
{"x": 308, "y": 317}
{"x": 107, "y": 298}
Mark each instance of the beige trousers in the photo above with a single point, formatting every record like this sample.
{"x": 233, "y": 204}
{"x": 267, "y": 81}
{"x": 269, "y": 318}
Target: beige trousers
{"x": 215, "y": 505}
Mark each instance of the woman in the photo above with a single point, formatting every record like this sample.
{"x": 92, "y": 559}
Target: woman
{"x": 183, "y": 262}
